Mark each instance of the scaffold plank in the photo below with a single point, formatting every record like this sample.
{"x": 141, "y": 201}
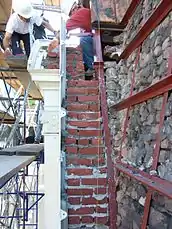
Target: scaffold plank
{"x": 14, "y": 64}
{"x": 26, "y": 149}
{"x": 11, "y": 165}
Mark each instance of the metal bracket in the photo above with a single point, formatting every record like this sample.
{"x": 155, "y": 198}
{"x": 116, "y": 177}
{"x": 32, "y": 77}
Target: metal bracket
{"x": 63, "y": 215}
{"x": 63, "y": 112}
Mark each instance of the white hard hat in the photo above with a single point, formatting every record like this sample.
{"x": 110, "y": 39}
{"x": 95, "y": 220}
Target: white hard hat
{"x": 23, "y": 8}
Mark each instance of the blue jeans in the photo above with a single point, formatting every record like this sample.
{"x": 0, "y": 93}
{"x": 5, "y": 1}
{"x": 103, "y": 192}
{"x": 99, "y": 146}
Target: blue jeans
{"x": 16, "y": 38}
{"x": 86, "y": 44}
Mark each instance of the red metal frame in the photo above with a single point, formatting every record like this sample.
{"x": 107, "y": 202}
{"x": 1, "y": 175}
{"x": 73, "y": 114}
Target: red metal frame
{"x": 154, "y": 90}
{"x": 153, "y": 21}
{"x": 130, "y": 11}
{"x": 154, "y": 183}
{"x": 99, "y": 67}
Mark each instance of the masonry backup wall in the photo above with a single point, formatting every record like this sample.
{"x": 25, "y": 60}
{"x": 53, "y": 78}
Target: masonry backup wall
{"x": 149, "y": 64}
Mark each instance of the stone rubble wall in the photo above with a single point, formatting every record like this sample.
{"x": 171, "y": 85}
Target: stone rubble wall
{"x": 144, "y": 118}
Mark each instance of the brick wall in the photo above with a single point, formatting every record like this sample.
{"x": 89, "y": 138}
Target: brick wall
{"x": 86, "y": 176}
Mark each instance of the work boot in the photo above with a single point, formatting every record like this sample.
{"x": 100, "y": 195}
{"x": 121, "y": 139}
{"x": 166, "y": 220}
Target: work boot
{"x": 89, "y": 74}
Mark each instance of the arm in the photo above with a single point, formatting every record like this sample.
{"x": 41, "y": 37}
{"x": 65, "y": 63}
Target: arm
{"x": 48, "y": 26}
{"x": 6, "y": 43}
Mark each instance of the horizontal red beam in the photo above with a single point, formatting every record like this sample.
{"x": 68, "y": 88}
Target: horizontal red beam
{"x": 153, "y": 21}
{"x": 156, "y": 89}
{"x": 130, "y": 11}
{"x": 154, "y": 183}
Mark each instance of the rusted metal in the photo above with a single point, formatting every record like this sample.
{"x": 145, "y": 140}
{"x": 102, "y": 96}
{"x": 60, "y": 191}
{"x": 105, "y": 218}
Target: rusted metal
{"x": 153, "y": 21}
{"x": 146, "y": 209}
{"x": 130, "y": 11}
{"x": 156, "y": 89}
{"x": 99, "y": 68}
{"x": 154, "y": 183}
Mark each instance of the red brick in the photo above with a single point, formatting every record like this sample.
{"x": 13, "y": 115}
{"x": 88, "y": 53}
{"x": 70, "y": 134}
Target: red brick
{"x": 72, "y": 115}
{"x": 84, "y": 124}
{"x": 70, "y": 141}
{"x": 83, "y": 142}
{"x": 74, "y": 200}
{"x": 99, "y": 161}
{"x": 93, "y": 201}
{"x": 82, "y": 91}
{"x": 52, "y": 66}
{"x": 80, "y": 192}
{"x": 94, "y": 181}
{"x": 76, "y": 91}
{"x": 71, "y": 98}
{"x": 89, "y": 116}
{"x": 74, "y": 220}
{"x": 99, "y": 191}
{"x": 80, "y": 172}
{"x": 77, "y": 107}
{"x": 101, "y": 220}
{"x": 90, "y": 133}
{"x": 91, "y": 150}
{"x": 81, "y": 211}
{"x": 89, "y": 98}
{"x": 97, "y": 141}
{"x": 79, "y": 161}
{"x": 73, "y": 182}
{"x": 71, "y": 149}
{"x": 101, "y": 210}
{"x": 93, "y": 91}
{"x": 52, "y": 54}
{"x": 87, "y": 219}
{"x": 94, "y": 107}
{"x": 73, "y": 131}
{"x": 83, "y": 83}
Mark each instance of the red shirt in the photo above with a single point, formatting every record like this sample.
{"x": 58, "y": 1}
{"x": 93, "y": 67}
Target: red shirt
{"x": 80, "y": 19}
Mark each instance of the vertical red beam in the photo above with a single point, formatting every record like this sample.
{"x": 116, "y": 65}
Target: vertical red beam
{"x": 99, "y": 67}
{"x": 156, "y": 151}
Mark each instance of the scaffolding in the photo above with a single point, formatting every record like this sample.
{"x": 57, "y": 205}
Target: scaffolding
{"x": 19, "y": 191}
{"x": 19, "y": 194}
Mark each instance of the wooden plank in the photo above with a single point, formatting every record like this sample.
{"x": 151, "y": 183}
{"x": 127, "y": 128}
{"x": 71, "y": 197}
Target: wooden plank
{"x": 24, "y": 77}
{"x": 5, "y": 10}
{"x": 18, "y": 62}
{"x": 7, "y": 119}
{"x": 53, "y": 2}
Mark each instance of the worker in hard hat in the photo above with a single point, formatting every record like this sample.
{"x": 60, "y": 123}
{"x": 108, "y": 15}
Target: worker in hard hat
{"x": 80, "y": 17}
{"x": 20, "y": 28}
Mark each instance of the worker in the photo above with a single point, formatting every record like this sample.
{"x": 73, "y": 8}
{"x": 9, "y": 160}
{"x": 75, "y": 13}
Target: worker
{"x": 20, "y": 28}
{"x": 80, "y": 17}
